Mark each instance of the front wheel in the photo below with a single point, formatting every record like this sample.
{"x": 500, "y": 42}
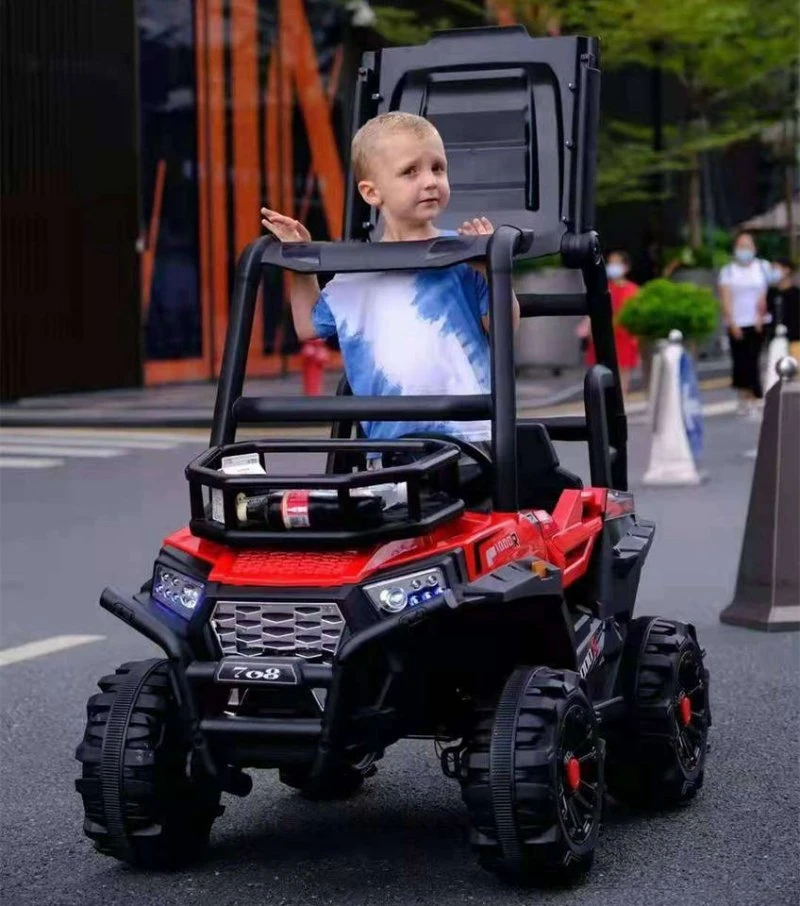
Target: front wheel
{"x": 140, "y": 804}
{"x": 532, "y": 779}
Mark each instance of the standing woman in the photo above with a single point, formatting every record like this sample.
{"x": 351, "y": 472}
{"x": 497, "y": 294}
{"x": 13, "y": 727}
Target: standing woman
{"x": 743, "y": 284}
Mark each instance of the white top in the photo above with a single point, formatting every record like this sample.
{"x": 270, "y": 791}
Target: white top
{"x": 404, "y": 333}
{"x": 747, "y": 282}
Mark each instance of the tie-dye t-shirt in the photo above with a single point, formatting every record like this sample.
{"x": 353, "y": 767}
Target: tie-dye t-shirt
{"x": 411, "y": 333}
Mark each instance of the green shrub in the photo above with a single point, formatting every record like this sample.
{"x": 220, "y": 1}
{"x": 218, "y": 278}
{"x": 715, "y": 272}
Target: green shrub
{"x": 661, "y": 306}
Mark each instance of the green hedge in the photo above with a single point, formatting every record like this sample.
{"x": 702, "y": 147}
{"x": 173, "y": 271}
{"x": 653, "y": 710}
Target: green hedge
{"x": 661, "y": 306}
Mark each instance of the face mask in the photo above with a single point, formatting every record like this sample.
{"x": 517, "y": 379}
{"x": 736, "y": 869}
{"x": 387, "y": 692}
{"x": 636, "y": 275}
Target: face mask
{"x": 615, "y": 271}
{"x": 745, "y": 256}
{"x": 775, "y": 275}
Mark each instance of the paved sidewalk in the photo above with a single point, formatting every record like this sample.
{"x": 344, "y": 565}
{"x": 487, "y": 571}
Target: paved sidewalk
{"x": 192, "y": 405}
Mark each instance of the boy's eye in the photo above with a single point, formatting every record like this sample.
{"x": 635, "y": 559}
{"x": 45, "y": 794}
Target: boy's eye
{"x": 409, "y": 171}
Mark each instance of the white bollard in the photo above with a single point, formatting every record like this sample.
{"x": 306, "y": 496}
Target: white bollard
{"x": 778, "y": 348}
{"x": 677, "y": 418}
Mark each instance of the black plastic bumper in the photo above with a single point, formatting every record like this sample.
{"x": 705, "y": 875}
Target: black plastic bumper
{"x": 320, "y": 738}
{"x": 134, "y": 614}
{"x": 230, "y": 730}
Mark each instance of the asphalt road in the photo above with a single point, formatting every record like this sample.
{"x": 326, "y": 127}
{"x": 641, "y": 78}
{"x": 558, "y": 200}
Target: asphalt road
{"x": 69, "y": 530}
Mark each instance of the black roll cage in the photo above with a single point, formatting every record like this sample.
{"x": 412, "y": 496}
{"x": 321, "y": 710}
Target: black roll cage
{"x": 562, "y": 104}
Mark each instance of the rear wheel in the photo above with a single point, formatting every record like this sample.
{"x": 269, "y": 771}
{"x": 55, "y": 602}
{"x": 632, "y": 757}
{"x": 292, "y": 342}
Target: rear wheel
{"x": 658, "y": 759}
{"x": 140, "y": 804}
{"x": 532, "y": 779}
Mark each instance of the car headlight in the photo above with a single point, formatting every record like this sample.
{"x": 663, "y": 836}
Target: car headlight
{"x": 394, "y": 595}
{"x": 176, "y": 591}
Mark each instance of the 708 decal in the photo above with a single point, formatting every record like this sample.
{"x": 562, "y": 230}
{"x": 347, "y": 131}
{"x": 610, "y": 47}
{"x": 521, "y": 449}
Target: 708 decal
{"x": 271, "y": 673}
{"x": 237, "y": 671}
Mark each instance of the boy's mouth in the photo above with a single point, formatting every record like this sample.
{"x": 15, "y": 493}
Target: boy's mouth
{"x": 429, "y": 201}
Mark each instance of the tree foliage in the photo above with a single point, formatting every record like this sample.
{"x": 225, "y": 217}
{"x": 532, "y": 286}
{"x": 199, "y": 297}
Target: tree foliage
{"x": 734, "y": 63}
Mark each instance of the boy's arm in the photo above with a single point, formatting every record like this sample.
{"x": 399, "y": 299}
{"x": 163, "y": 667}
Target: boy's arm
{"x": 303, "y": 288}
{"x": 515, "y": 315}
{"x": 303, "y": 295}
{"x": 482, "y": 226}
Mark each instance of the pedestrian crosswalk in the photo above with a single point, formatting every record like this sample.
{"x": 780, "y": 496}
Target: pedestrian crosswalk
{"x": 48, "y": 448}
{"x": 639, "y": 412}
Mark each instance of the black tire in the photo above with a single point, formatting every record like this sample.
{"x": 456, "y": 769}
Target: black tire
{"x": 534, "y": 815}
{"x": 139, "y": 804}
{"x": 658, "y": 759}
{"x": 340, "y": 782}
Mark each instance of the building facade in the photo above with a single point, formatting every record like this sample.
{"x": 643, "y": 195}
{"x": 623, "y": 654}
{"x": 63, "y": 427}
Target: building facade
{"x": 137, "y": 149}
{"x": 137, "y": 152}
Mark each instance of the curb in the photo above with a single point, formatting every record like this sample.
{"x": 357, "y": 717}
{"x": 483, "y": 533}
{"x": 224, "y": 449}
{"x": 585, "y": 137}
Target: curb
{"x": 186, "y": 417}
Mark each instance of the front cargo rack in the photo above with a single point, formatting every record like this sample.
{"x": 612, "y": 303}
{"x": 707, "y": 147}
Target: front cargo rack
{"x": 431, "y": 479}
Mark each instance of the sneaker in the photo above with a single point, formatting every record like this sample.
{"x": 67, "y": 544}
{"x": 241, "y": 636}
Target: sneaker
{"x": 755, "y": 411}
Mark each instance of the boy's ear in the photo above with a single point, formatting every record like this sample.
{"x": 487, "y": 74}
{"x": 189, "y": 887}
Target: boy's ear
{"x": 369, "y": 192}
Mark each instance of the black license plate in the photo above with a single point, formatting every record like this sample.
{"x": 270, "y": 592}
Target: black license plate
{"x": 261, "y": 671}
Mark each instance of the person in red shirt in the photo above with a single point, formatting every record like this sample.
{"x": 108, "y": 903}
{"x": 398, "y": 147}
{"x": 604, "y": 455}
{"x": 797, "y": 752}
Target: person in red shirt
{"x": 622, "y": 289}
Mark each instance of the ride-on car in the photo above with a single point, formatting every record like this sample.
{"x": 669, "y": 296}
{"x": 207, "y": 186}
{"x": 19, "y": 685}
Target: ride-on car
{"x": 484, "y": 602}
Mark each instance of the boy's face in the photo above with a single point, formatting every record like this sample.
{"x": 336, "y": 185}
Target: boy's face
{"x": 408, "y": 178}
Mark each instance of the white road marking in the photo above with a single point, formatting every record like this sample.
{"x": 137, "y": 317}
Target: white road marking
{"x": 725, "y": 407}
{"x": 54, "y": 440}
{"x": 640, "y": 415}
{"x": 19, "y": 462}
{"x": 44, "y": 646}
{"x": 110, "y": 434}
{"x": 44, "y": 450}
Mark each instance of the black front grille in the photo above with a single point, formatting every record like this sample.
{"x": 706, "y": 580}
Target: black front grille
{"x": 309, "y": 631}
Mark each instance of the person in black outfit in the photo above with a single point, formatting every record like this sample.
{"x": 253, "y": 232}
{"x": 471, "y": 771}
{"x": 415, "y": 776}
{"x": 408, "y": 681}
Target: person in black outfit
{"x": 783, "y": 303}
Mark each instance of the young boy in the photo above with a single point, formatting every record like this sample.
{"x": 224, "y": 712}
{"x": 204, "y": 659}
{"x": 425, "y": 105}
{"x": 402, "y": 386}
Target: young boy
{"x": 402, "y": 333}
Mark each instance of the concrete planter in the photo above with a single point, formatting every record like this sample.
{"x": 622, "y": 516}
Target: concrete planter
{"x": 700, "y": 276}
{"x": 549, "y": 342}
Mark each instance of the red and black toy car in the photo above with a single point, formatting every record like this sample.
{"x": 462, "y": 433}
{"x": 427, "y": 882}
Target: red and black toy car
{"x": 490, "y": 610}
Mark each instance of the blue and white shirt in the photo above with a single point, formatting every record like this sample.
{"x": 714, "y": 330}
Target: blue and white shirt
{"x": 411, "y": 333}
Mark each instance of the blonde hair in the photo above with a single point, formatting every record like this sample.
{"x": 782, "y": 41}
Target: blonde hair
{"x": 366, "y": 139}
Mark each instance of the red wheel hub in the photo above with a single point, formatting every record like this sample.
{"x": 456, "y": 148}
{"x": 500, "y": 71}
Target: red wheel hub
{"x": 572, "y": 769}
{"x": 685, "y": 711}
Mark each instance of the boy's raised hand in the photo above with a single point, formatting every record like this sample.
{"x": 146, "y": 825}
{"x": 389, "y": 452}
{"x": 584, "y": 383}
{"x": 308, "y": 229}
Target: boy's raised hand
{"x": 478, "y": 226}
{"x": 284, "y": 228}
